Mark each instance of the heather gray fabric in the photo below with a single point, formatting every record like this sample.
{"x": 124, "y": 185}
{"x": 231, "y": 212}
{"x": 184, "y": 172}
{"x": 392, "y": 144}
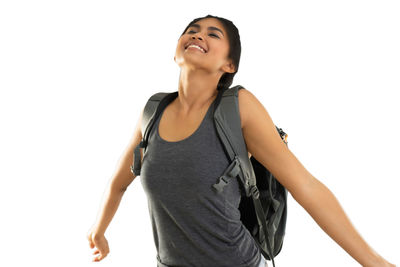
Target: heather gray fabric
{"x": 192, "y": 224}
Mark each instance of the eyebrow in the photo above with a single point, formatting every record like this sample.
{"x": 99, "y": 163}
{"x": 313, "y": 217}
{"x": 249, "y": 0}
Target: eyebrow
{"x": 210, "y": 28}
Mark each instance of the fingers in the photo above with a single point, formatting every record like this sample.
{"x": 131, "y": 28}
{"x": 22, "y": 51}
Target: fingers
{"x": 100, "y": 256}
{"x": 89, "y": 237}
{"x": 100, "y": 243}
{"x": 102, "y": 248}
{"x": 91, "y": 244}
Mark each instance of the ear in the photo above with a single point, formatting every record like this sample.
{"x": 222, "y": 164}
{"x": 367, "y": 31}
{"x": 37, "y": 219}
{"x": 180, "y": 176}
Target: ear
{"x": 229, "y": 67}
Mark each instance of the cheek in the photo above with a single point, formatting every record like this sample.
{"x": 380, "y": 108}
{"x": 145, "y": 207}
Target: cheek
{"x": 221, "y": 48}
{"x": 181, "y": 44}
{"x": 179, "y": 48}
{"x": 219, "y": 53}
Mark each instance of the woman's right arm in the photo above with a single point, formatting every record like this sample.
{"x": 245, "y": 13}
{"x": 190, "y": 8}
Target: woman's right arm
{"x": 120, "y": 181}
{"x": 115, "y": 189}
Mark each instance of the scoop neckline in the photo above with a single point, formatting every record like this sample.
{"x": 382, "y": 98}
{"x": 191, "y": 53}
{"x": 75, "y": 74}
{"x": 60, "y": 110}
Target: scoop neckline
{"x": 186, "y": 138}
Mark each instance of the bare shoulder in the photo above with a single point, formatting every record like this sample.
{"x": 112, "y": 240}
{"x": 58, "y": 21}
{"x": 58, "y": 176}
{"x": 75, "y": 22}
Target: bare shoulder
{"x": 265, "y": 144}
{"x": 245, "y": 99}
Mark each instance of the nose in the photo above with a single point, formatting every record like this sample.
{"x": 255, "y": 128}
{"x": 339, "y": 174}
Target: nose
{"x": 194, "y": 37}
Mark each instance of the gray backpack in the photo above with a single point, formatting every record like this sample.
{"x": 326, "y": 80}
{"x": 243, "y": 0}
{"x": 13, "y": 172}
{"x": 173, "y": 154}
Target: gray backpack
{"x": 263, "y": 205}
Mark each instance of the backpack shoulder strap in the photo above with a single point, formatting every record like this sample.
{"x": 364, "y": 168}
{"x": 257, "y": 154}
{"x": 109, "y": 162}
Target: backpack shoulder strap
{"x": 150, "y": 109}
{"x": 153, "y": 108}
{"x": 228, "y": 126}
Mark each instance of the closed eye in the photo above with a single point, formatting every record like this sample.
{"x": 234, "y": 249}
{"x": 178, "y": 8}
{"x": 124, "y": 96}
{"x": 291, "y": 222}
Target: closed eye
{"x": 212, "y": 34}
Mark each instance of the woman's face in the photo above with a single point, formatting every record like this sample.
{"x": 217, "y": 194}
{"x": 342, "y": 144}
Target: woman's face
{"x": 210, "y": 35}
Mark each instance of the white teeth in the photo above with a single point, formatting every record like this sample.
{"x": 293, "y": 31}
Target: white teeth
{"x": 198, "y": 47}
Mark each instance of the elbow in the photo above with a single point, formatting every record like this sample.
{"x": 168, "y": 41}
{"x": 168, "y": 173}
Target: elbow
{"x": 303, "y": 192}
{"x": 312, "y": 194}
{"x": 122, "y": 189}
{"x": 118, "y": 188}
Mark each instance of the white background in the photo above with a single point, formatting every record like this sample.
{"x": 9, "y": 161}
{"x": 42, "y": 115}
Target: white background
{"x": 74, "y": 76}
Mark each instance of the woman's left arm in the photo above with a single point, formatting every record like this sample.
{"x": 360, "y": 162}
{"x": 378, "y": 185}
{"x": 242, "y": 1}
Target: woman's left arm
{"x": 265, "y": 144}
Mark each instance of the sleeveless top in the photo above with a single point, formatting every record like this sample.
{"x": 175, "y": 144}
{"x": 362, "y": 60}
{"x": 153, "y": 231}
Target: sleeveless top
{"x": 192, "y": 224}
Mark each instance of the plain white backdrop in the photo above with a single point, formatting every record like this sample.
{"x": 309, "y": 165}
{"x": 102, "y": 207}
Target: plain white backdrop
{"x": 74, "y": 76}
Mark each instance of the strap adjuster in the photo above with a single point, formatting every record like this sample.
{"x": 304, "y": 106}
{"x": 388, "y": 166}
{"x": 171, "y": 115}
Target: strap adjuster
{"x": 254, "y": 191}
{"x": 230, "y": 172}
{"x": 222, "y": 182}
{"x": 134, "y": 171}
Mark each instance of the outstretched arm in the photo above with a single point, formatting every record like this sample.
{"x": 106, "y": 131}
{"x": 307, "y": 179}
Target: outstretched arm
{"x": 265, "y": 144}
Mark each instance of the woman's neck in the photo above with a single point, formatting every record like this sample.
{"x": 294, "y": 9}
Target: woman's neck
{"x": 196, "y": 89}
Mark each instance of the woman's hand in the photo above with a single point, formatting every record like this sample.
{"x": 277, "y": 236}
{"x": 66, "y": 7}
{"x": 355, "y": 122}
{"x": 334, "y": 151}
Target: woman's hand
{"x": 99, "y": 241}
{"x": 381, "y": 262}
{"x": 388, "y": 264}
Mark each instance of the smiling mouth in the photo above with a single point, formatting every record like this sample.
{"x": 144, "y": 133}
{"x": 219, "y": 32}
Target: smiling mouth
{"x": 196, "y": 47}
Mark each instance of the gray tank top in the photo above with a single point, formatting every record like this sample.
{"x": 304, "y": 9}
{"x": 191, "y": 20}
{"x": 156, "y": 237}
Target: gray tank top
{"x": 192, "y": 224}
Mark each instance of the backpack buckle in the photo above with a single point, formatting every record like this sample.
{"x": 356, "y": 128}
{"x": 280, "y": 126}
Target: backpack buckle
{"x": 230, "y": 172}
{"x": 134, "y": 171}
{"x": 222, "y": 182}
{"x": 254, "y": 191}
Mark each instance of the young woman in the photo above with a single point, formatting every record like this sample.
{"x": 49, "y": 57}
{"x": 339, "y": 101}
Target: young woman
{"x": 193, "y": 226}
